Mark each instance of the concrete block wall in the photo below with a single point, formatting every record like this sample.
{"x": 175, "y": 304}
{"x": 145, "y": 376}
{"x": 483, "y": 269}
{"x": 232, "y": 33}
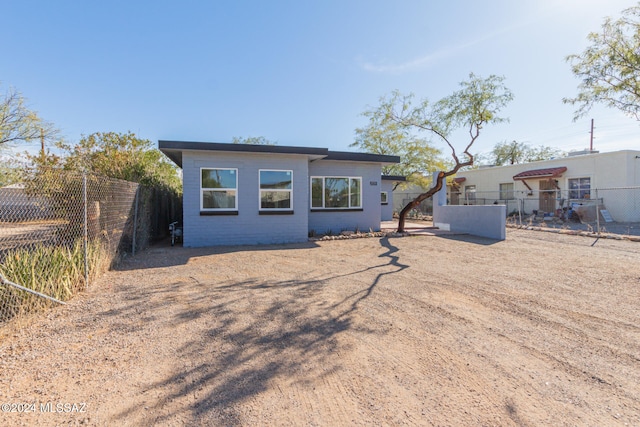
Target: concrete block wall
{"x": 478, "y": 220}
{"x": 387, "y": 210}
{"x": 248, "y": 227}
{"x": 322, "y": 222}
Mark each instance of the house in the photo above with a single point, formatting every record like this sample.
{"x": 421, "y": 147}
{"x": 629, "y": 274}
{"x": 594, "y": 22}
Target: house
{"x": 17, "y": 205}
{"x": 242, "y": 194}
{"x": 583, "y": 179}
{"x": 389, "y": 182}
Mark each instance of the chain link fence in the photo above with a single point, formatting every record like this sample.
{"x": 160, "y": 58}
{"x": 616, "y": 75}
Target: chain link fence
{"x": 59, "y": 230}
{"x": 602, "y": 211}
{"x": 614, "y": 211}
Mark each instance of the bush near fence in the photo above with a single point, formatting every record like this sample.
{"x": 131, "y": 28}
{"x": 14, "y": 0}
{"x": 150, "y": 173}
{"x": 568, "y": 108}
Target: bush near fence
{"x": 60, "y": 230}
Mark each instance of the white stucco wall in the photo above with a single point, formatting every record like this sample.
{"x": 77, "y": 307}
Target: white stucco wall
{"x": 605, "y": 170}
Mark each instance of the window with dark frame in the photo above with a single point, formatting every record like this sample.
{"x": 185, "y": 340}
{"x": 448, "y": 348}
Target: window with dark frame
{"x": 276, "y": 190}
{"x": 218, "y": 189}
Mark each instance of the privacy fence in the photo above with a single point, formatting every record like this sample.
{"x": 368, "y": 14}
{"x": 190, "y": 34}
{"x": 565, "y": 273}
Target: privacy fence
{"x": 601, "y": 211}
{"x": 58, "y": 231}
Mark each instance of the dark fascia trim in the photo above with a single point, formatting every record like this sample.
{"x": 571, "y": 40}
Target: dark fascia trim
{"x": 362, "y": 157}
{"x": 394, "y": 178}
{"x": 337, "y": 210}
{"x": 174, "y": 149}
{"x": 275, "y": 212}
{"x": 216, "y": 213}
{"x": 250, "y": 148}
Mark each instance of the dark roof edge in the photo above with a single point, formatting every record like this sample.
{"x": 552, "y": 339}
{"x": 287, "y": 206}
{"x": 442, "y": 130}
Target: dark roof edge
{"x": 394, "y": 178}
{"x": 362, "y": 157}
{"x": 250, "y": 148}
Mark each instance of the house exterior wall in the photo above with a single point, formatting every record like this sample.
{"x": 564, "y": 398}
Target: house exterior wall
{"x": 605, "y": 170}
{"x": 387, "y": 209}
{"x": 248, "y": 227}
{"x": 336, "y": 221}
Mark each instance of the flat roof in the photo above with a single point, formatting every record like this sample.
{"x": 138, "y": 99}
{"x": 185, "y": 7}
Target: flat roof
{"x": 394, "y": 178}
{"x": 174, "y": 149}
{"x": 362, "y": 157}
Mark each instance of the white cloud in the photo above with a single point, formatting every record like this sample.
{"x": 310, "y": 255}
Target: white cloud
{"x": 433, "y": 58}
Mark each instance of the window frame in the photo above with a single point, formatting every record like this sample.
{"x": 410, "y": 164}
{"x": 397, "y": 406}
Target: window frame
{"x": 580, "y": 190}
{"x": 203, "y": 189}
{"x": 509, "y": 193}
{"x": 260, "y": 190}
{"x": 324, "y": 202}
{"x": 470, "y": 192}
{"x": 384, "y": 197}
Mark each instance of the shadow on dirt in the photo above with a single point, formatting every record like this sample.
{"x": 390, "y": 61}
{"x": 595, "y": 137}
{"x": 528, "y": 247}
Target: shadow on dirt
{"x": 250, "y": 336}
{"x": 166, "y": 255}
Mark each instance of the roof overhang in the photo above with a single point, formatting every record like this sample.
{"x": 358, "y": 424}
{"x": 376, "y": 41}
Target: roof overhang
{"x": 548, "y": 173}
{"x": 362, "y": 157}
{"x": 398, "y": 178}
{"x": 174, "y": 150}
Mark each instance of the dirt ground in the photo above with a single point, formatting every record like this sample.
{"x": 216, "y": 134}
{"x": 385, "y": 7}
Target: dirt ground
{"x": 540, "y": 329}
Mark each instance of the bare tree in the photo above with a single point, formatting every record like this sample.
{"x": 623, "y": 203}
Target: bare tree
{"x": 20, "y": 124}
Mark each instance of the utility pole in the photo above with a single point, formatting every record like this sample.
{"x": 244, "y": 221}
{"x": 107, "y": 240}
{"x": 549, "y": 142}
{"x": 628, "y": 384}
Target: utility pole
{"x": 42, "y": 154}
{"x": 591, "y": 142}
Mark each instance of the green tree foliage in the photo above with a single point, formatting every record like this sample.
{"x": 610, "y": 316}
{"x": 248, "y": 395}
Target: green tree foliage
{"x": 511, "y": 153}
{"x": 609, "y": 69}
{"x": 385, "y": 135}
{"x": 255, "y": 140}
{"x": 116, "y": 155}
{"x": 9, "y": 174}
{"x": 20, "y": 124}
{"x": 476, "y": 104}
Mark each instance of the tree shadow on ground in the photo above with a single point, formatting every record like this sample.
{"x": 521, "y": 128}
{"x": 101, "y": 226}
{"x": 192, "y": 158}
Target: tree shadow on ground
{"x": 468, "y": 238}
{"x": 258, "y": 333}
{"x": 165, "y": 255}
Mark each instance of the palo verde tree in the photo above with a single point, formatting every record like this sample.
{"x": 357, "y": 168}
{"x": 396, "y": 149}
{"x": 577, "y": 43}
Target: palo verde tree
{"x": 609, "y": 69}
{"x": 476, "y": 104}
{"x": 20, "y": 124}
{"x": 385, "y": 135}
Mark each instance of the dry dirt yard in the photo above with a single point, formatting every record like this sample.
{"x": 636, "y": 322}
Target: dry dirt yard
{"x": 541, "y": 329}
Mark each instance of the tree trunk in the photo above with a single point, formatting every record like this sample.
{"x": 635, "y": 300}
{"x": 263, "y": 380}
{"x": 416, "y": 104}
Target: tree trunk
{"x": 415, "y": 202}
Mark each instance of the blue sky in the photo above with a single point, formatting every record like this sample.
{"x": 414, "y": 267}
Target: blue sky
{"x": 298, "y": 72}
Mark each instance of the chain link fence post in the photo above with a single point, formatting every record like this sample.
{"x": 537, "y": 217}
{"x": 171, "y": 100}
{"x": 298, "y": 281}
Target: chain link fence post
{"x": 135, "y": 222}
{"x": 85, "y": 231}
{"x": 58, "y": 230}
{"x": 597, "y": 213}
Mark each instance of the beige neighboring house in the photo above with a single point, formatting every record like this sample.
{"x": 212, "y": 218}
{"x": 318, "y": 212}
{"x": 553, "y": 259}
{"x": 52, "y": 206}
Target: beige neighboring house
{"x": 551, "y": 185}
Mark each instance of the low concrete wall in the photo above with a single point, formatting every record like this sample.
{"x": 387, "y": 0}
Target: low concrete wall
{"x": 484, "y": 220}
{"x": 478, "y": 220}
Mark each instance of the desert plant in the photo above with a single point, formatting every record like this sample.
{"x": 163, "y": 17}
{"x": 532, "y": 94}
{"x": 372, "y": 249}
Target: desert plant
{"x": 56, "y": 271}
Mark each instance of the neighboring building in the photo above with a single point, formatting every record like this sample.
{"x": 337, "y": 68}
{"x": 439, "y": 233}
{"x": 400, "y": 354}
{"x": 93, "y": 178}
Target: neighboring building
{"x": 551, "y": 185}
{"x": 389, "y": 182}
{"x": 17, "y": 205}
{"x": 259, "y": 194}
